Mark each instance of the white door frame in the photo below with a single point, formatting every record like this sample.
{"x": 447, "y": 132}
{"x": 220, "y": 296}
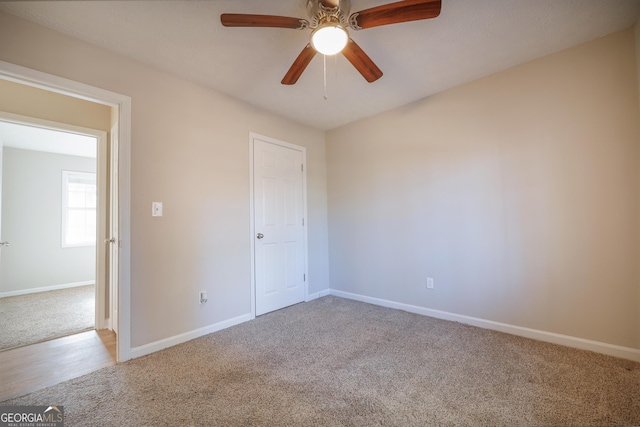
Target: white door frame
{"x": 113, "y": 231}
{"x": 101, "y": 174}
{"x": 252, "y": 137}
{"x": 122, "y": 103}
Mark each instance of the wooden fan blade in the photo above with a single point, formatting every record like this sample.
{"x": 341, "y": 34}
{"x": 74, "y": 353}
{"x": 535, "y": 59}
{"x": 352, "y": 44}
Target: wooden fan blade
{"x": 361, "y": 61}
{"x": 394, "y": 13}
{"x": 299, "y": 65}
{"x": 244, "y": 20}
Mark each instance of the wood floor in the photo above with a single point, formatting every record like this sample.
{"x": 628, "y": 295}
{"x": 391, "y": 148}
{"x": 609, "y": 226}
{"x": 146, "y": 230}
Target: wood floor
{"x": 33, "y": 367}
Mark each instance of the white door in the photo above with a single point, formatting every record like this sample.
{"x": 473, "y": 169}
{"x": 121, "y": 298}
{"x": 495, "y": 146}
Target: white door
{"x": 113, "y": 240}
{"x": 278, "y": 225}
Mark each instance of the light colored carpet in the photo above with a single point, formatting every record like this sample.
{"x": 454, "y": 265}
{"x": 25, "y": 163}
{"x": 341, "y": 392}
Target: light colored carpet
{"x": 32, "y": 318}
{"x": 336, "y": 362}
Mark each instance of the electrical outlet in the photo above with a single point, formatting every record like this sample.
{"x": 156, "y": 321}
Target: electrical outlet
{"x": 203, "y": 297}
{"x": 429, "y": 282}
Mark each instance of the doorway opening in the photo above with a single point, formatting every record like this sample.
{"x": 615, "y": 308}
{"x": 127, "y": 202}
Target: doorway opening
{"x": 117, "y": 246}
{"x": 52, "y": 266}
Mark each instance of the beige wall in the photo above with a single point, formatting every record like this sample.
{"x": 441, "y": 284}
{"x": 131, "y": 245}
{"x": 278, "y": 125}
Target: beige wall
{"x": 518, "y": 193}
{"x": 189, "y": 151}
{"x": 33, "y": 102}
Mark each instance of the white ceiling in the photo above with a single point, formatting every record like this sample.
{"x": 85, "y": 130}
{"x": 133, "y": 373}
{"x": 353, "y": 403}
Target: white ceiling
{"x": 37, "y": 138}
{"x": 470, "y": 39}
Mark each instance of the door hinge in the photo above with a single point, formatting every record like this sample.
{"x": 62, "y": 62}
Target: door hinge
{"x": 303, "y": 222}
{"x": 302, "y": 168}
{"x": 304, "y": 276}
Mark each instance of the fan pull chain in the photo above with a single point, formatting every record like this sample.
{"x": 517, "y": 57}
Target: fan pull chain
{"x": 325, "y": 77}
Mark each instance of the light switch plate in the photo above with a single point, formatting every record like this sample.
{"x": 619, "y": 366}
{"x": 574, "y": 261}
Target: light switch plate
{"x": 156, "y": 209}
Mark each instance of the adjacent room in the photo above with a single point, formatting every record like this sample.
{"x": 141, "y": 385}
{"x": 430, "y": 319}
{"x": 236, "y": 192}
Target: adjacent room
{"x": 49, "y": 213}
{"x": 437, "y": 225}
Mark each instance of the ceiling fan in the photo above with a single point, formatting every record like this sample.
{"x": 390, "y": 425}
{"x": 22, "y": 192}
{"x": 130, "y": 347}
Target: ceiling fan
{"x": 329, "y": 20}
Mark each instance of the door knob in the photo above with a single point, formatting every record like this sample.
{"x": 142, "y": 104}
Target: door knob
{"x": 260, "y": 236}
{"x": 4, "y": 244}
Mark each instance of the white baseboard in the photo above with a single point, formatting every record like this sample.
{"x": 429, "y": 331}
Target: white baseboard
{"x": 143, "y": 350}
{"x": 317, "y": 295}
{"x": 45, "y": 289}
{"x": 566, "y": 340}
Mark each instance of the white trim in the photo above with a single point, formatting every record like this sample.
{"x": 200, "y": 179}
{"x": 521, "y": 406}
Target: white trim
{"x": 317, "y": 295}
{"x": 49, "y": 82}
{"x": 45, "y": 289}
{"x": 550, "y": 337}
{"x": 124, "y": 229}
{"x": 305, "y": 237}
{"x": 111, "y": 227}
{"x": 143, "y": 350}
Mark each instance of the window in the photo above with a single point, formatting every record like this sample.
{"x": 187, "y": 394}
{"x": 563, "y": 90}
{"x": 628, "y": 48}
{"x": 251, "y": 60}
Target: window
{"x": 78, "y": 209}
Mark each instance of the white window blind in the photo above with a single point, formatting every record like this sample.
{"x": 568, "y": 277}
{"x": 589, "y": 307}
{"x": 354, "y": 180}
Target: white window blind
{"x": 79, "y": 202}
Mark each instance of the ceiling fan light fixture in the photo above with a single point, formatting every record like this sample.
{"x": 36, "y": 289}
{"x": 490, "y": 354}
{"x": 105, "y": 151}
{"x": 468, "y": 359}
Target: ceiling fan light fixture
{"x": 329, "y": 39}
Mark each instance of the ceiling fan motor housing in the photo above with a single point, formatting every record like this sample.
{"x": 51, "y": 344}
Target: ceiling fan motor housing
{"x": 323, "y": 11}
